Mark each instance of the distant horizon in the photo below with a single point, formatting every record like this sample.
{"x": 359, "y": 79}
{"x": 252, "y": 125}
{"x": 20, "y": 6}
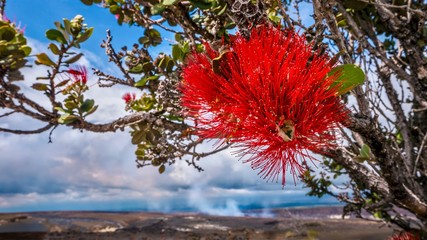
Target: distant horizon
{"x": 220, "y": 207}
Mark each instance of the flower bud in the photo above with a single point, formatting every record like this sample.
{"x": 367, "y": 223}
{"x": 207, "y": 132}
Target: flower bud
{"x": 77, "y": 24}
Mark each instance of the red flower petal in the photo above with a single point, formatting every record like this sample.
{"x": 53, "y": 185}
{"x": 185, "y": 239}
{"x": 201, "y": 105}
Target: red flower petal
{"x": 272, "y": 98}
{"x": 78, "y": 74}
{"x": 129, "y": 97}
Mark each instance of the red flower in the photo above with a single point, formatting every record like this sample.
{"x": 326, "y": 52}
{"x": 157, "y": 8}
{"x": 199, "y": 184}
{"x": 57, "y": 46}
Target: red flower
{"x": 129, "y": 97}
{"x": 404, "y": 236}
{"x": 270, "y": 95}
{"x": 78, "y": 75}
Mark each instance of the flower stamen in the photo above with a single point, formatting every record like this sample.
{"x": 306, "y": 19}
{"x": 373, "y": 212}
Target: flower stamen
{"x": 286, "y": 131}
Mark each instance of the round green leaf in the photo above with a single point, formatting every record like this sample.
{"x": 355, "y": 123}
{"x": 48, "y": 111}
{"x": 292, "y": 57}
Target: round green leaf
{"x": 114, "y": 9}
{"x": 349, "y": 76}
{"x": 26, "y": 49}
{"x": 87, "y": 105}
{"x": 162, "y": 169}
{"x": 7, "y": 33}
{"x": 84, "y": 36}
{"x": 55, "y": 35}
{"x": 177, "y": 53}
{"x": 42, "y": 58}
{"x": 55, "y": 50}
{"x": 157, "y": 9}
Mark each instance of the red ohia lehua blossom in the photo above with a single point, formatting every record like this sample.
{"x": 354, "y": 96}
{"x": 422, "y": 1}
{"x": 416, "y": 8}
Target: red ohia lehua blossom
{"x": 404, "y": 236}
{"x": 270, "y": 95}
{"x": 129, "y": 97}
{"x": 78, "y": 74}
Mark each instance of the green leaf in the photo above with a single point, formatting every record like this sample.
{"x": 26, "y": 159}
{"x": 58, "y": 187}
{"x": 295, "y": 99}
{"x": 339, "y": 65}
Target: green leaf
{"x": 178, "y": 37}
{"x": 177, "y": 53}
{"x": 7, "y": 33}
{"x": 55, "y": 50}
{"x": 162, "y": 62}
{"x": 169, "y": 2}
{"x": 349, "y": 76}
{"x": 144, "y": 40}
{"x": 40, "y": 86}
{"x": 43, "y": 59}
{"x": 169, "y": 66}
{"x": 174, "y": 118}
{"x": 70, "y": 105}
{"x": 55, "y": 35}
{"x": 62, "y": 83}
{"x": 378, "y": 215}
{"x": 87, "y": 2}
{"x": 222, "y": 10}
{"x": 145, "y": 79}
{"x": 157, "y": 9}
{"x": 137, "y": 69}
{"x": 148, "y": 66}
{"x": 155, "y": 162}
{"x": 26, "y": 49}
{"x": 154, "y": 36}
{"x": 92, "y": 110}
{"x": 138, "y": 137}
{"x": 365, "y": 151}
{"x": 202, "y": 4}
{"x": 67, "y": 26}
{"x": 342, "y": 23}
{"x": 67, "y": 118}
{"x": 162, "y": 169}
{"x": 74, "y": 58}
{"x": 84, "y": 36}
{"x": 115, "y": 9}
{"x": 87, "y": 105}
{"x": 60, "y": 109}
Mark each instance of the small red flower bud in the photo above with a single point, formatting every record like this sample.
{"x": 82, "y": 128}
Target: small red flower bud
{"x": 79, "y": 74}
{"x": 129, "y": 97}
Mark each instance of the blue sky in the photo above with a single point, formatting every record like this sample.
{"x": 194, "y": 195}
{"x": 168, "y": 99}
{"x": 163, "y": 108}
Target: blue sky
{"x": 87, "y": 171}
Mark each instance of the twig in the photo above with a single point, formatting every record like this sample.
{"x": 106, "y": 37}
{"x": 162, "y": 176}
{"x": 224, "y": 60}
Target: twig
{"x": 420, "y": 150}
{"x": 40, "y": 130}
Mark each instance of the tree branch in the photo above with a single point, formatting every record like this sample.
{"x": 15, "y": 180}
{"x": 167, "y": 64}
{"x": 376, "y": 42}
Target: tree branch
{"x": 36, "y": 131}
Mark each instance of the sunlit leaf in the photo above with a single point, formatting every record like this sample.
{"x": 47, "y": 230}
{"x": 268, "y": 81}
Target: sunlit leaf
{"x": 92, "y": 110}
{"x": 55, "y": 35}
{"x": 74, "y": 58}
{"x": 40, "y": 86}
{"x": 54, "y": 49}
{"x": 87, "y": 105}
{"x": 365, "y": 151}
{"x": 115, "y": 9}
{"x": 145, "y": 79}
{"x": 169, "y": 2}
{"x": 43, "y": 59}
{"x": 84, "y": 36}
{"x": 350, "y": 76}
{"x": 157, "y": 9}
{"x": 176, "y": 53}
